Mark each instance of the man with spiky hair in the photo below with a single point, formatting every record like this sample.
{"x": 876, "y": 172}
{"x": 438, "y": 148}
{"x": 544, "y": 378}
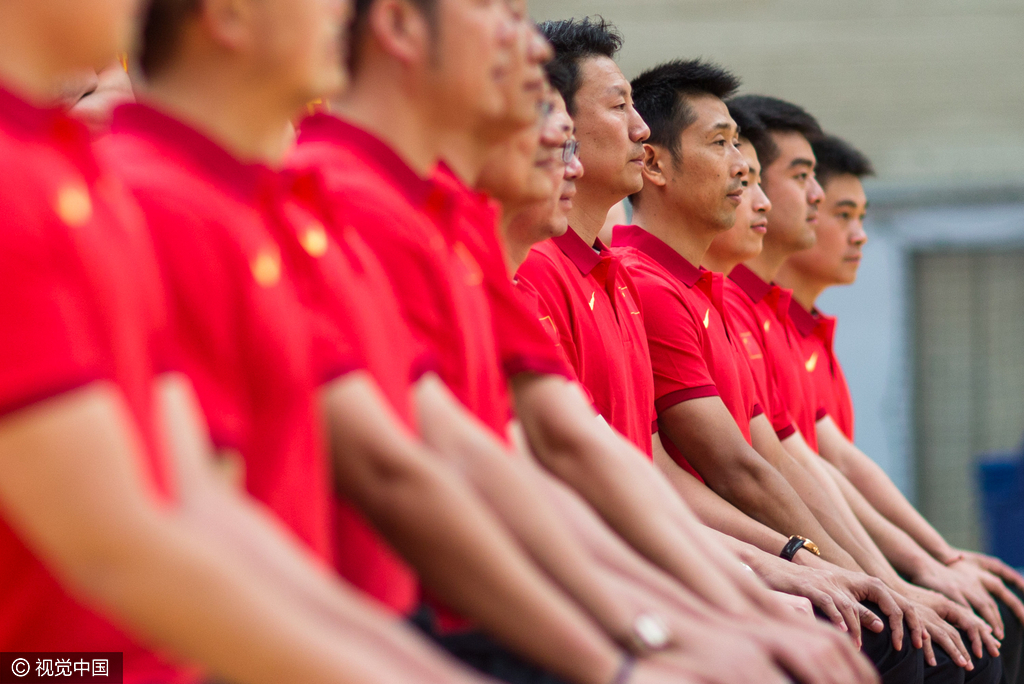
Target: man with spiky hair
{"x": 832, "y": 261}
{"x": 707, "y": 396}
{"x": 789, "y": 179}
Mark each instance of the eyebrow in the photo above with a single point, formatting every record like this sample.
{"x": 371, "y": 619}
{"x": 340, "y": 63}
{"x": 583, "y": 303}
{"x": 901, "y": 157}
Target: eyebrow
{"x": 722, "y": 126}
{"x": 800, "y": 161}
{"x": 619, "y": 90}
{"x": 846, "y": 203}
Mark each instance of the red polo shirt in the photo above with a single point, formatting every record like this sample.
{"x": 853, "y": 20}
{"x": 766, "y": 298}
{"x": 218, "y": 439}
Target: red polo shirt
{"x": 81, "y": 301}
{"x": 523, "y": 345}
{"x": 437, "y": 241}
{"x": 694, "y": 353}
{"x": 408, "y": 222}
{"x": 817, "y": 337}
{"x": 751, "y": 324}
{"x": 241, "y": 328}
{"x": 772, "y": 306}
{"x": 346, "y": 285}
{"x": 594, "y": 305}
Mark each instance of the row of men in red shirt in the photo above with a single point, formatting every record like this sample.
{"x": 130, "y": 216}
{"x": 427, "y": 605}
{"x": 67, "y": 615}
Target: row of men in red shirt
{"x": 196, "y": 299}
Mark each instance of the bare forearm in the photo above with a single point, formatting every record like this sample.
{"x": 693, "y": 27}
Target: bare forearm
{"x": 184, "y": 595}
{"x": 899, "y": 548}
{"x": 619, "y": 483}
{"x": 880, "y": 491}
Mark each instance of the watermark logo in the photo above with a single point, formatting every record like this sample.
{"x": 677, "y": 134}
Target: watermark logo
{"x": 18, "y": 668}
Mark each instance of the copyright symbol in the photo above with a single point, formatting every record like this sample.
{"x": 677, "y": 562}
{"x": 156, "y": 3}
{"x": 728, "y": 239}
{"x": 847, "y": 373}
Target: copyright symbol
{"x": 20, "y": 667}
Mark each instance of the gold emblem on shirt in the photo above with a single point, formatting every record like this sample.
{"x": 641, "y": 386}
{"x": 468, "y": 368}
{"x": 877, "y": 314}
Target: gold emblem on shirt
{"x": 812, "y": 363}
{"x": 592, "y": 296}
{"x": 314, "y": 240}
{"x": 74, "y": 206}
{"x": 767, "y": 324}
{"x": 266, "y": 267}
{"x": 707, "y": 318}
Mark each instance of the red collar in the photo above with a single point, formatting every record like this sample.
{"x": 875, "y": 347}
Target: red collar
{"x": 216, "y": 162}
{"x": 750, "y": 283}
{"x": 579, "y": 252}
{"x": 50, "y": 124}
{"x": 671, "y": 260}
{"x": 804, "y": 321}
{"x": 330, "y": 129}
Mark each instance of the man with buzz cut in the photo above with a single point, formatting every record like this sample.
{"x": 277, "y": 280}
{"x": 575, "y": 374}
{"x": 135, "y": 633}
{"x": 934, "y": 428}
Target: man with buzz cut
{"x": 707, "y": 397}
{"x": 795, "y": 194}
{"x": 832, "y": 261}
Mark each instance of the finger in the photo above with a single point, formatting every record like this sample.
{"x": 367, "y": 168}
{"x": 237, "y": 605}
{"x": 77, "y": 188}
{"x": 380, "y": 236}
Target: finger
{"x": 827, "y": 606}
{"x": 949, "y": 640}
{"x": 996, "y": 587}
{"x": 892, "y": 609}
{"x": 988, "y": 610}
{"x": 929, "y": 652}
{"x": 974, "y": 634}
{"x": 918, "y": 634}
{"x": 869, "y": 620}
{"x": 992, "y": 645}
{"x": 1003, "y": 570}
{"x": 850, "y": 615}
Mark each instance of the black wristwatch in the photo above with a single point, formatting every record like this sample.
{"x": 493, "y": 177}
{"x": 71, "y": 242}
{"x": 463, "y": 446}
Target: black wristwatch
{"x": 795, "y": 543}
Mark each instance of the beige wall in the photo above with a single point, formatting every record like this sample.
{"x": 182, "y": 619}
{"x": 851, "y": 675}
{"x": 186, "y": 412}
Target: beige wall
{"x": 932, "y": 90}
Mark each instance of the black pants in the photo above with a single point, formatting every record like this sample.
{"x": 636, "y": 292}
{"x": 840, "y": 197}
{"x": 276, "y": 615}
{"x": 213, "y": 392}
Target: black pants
{"x": 905, "y": 666}
{"x": 1013, "y": 643}
{"x": 483, "y": 653}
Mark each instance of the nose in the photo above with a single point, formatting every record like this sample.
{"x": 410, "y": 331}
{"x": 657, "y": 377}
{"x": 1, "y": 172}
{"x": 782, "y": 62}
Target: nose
{"x": 815, "y": 193}
{"x": 639, "y": 131}
{"x": 858, "y": 236}
{"x": 759, "y": 200}
{"x": 740, "y": 166}
{"x": 574, "y": 169}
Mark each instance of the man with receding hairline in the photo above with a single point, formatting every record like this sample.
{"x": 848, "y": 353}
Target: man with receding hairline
{"x": 130, "y": 528}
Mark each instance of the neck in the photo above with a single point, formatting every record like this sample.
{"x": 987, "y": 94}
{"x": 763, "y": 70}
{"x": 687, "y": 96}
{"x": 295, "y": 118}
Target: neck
{"x": 806, "y": 290}
{"x": 515, "y": 251}
{"x": 466, "y": 154}
{"x": 714, "y": 262}
{"x": 767, "y": 264}
{"x": 375, "y": 103}
{"x": 589, "y": 213}
{"x": 28, "y": 65}
{"x": 250, "y": 120}
{"x": 690, "y": 242}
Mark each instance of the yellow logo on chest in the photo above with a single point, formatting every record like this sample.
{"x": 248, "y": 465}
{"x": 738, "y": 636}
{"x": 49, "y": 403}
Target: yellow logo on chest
{"x": 812, "y": 363}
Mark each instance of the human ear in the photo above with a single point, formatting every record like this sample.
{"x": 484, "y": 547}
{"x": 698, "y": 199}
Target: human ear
{"x": 654, "y": 165}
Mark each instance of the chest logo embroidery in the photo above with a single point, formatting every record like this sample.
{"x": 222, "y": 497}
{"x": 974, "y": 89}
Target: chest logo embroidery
{"x": 812, "y": 363}
{"x": 314, "y": 240}
{"x": 707, "y": 318}
{"x": 593, "y": 295}
{"x": 266, "y": 268}
{"x": 74, "y": 206}
{"x": 753, "y": 351}
{"x": 767, "y": 324}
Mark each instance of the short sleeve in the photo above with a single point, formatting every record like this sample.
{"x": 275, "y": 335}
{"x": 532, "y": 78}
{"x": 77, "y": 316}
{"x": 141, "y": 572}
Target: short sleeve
{"x": 680, "y": 370}
{"x": 553, "y": 303}
{"x": 51, "y": 340}
{"x": 523, "y": 344}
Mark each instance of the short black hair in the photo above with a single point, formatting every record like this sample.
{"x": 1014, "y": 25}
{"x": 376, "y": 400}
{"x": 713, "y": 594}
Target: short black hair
{"x": 164, "y": 21}
{"x": 837, "y": 157}
{"x": 558, "y": 76}
{"x": 575, "y": 40}
{"x": 661, "y": 94}
{"x": 357, "y": 27}
{"x": 779, "y": 116}
{"x": 754, "y": 131}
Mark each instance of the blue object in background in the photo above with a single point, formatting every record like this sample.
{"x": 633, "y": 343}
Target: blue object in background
{"x": 1001, "y": 477}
